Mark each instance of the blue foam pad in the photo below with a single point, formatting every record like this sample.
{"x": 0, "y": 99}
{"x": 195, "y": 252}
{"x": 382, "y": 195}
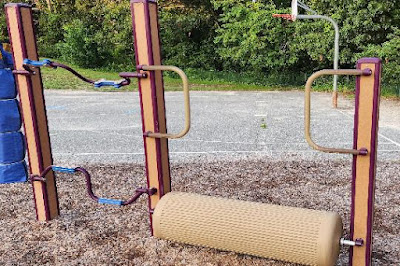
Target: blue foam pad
{"x": 13, "y": 173}
{"x": 12, "y": 147}
{"x": 7, "y": 84}
{"x": 10, "y": 119}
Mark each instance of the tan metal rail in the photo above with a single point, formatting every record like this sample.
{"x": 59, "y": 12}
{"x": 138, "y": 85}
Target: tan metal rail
{"x": 185, "y": 81}
{"x": 307, "y": 107}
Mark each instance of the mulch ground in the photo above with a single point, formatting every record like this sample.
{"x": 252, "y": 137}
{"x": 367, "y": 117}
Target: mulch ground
{"x": 88, "y": 233}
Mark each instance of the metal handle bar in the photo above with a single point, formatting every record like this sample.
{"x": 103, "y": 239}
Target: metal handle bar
{"x": 48, "y": 63}
{"x": 186, "y": 97}
{"x": 307, "y": 108}
{"x": 89, "y": 189}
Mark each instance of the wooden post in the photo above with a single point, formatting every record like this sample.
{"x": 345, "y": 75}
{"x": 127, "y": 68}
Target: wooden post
{"x": 364, "y": 167}
{"x": 151, "y": 89}
{"x": 30, "y": 87}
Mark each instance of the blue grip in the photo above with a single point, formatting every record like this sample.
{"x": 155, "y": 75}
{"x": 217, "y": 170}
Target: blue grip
{"x": 110, "y": 201}
{"x": 104, "y": 83}
{"x": 34, "y": 63}
{"x": 63, "y": 169}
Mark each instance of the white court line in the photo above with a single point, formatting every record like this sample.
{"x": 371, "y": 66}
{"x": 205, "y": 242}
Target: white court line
{"x": 388, "y": 139}
{"x": 379, "y": 134}
{"x": 260, "y": 115}
{"x": 304, "y": 143}
{"x": 199, "y": 152}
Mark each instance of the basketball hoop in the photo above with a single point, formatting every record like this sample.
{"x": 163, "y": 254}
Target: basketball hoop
{"x": 314, "y": 15}
{"x": 290, "y": 17}
{"x": 284, "y": 16}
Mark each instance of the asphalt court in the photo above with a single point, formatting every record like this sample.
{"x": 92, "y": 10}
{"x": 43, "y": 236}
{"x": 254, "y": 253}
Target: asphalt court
{"x": 105, "y": 127}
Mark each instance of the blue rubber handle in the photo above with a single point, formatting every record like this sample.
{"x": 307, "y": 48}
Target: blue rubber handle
{"x": 63, "y": 169}
{"x": 34, "y": 63}
{"x": 104, "y": 83}
{"x": 110, "y": 201}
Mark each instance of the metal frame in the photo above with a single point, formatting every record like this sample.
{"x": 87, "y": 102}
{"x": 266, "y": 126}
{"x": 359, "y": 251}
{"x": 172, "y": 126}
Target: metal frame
{"x": 307, "y": 108}
{"x": 151, "y": 89}
{"x": 185, "y": 81}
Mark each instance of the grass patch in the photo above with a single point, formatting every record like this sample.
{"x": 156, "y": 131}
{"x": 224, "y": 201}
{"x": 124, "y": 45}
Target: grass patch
{"x": 200, "y": 80}
{"x": 60, "y": 79}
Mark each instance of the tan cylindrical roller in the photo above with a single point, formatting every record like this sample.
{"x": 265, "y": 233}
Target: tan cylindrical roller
{"x": 283, "y": 233}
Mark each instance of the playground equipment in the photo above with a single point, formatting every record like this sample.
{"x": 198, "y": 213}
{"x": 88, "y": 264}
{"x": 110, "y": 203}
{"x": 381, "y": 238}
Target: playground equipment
{"x": 283, "y": 233}
{"x": 294, "y": 16}
{"x": 12, "y": 147}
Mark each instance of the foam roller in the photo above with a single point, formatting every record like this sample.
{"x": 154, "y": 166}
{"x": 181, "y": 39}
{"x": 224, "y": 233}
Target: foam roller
{"x": 283, "y": 233}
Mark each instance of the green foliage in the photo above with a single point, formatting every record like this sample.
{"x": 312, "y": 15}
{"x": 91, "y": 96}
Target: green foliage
{"x": 3, "y": 25}
{"x": 224, "y": 38}
{"x": 50, "y": 34}
{"x": 81, "y": 45}
{"x": 187, "y": 34}
{"x": 362, "y": 23}
{"x": 250, "y": 38}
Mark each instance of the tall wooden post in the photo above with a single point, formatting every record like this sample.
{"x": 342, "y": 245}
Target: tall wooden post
{"x": 151, "y": 89}
{"x": 364, "y": 167}
{"x": 30, "y": 87}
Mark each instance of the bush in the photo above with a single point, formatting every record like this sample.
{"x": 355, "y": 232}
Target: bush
{"x": 81, "y": 45}
{"x": 50, "y": 34}
{"x": 187, "y": 36}
{"x": 249, "y": 38}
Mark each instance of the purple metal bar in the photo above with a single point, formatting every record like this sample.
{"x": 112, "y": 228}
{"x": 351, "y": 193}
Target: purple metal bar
{"x": 55, "y": 65}
{"x": 22, "y": 72}
{"x": 89, "y": 188}
{"x": 127, "y": 75}
{"x": 81, "y": 77}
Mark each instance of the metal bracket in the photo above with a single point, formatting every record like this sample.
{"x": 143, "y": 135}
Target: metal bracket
{"x": 23, "y": 72}
{"x": 128, "y": 75}
{"x": 359, "y": 242}
{"x": 138, "y": 192}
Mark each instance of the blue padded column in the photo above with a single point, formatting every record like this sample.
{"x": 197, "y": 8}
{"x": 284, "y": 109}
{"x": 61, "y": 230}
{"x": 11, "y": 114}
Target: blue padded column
{"x": 7, "y": 84}
{"x": 10, "y": 119}
{"x": 12, "y": 146}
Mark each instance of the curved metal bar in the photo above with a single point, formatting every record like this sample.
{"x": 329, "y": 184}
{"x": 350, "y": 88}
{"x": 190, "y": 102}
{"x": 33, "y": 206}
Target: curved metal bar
{"x": 140, "y": 192}
{"x": 88, "y": 178}
{"x": 98, "y": 84}
{"x": 307, "y": 108}
{"x": 55, "y": 65}
{"x": 185, "y": 81}
{"x": 89, "y": 187}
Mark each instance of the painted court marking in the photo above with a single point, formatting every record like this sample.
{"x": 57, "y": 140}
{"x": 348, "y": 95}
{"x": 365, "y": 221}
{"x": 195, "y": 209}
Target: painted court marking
{"x": 379, "y": 134}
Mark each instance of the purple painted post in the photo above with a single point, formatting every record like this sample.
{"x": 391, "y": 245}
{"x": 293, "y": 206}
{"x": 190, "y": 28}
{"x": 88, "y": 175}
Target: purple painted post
{"x": 364, "y": 167}
{"x": 151, "y": 90}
